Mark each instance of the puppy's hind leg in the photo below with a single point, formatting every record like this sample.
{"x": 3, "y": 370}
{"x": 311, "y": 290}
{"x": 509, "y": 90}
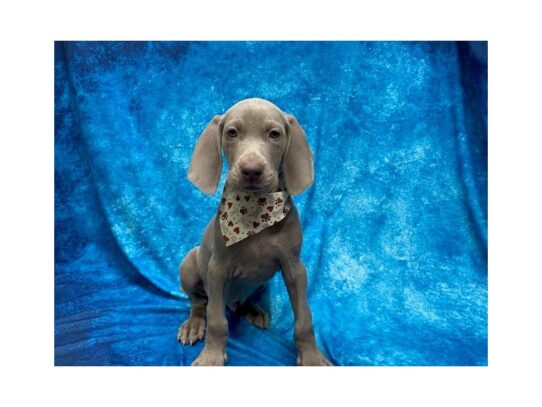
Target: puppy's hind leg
{"x": 252, "y": 312}
{"x": 193, "y": 329}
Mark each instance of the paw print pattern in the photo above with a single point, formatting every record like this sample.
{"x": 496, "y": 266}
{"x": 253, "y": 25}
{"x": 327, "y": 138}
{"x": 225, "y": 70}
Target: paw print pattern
{"x": 244, "y": 215}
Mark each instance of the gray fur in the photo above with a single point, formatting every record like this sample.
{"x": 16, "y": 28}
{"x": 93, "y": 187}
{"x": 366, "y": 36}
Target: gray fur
{"x": 215, "y": 276}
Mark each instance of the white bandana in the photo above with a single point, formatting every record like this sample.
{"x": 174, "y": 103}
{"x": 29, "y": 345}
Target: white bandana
{"x": 243, "y": 214}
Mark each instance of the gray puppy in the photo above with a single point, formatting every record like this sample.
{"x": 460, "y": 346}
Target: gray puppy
{"x": 269, "y": 159}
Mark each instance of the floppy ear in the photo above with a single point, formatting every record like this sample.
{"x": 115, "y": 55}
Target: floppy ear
{"x": 298, "y": 166}
{"x": 206, "y": 165}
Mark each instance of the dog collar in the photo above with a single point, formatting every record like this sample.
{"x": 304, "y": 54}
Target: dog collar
{"x": 243, "y": 214}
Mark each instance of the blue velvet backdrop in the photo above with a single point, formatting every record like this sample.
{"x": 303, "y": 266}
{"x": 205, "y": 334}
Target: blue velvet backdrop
{"x": 395, "y": 225}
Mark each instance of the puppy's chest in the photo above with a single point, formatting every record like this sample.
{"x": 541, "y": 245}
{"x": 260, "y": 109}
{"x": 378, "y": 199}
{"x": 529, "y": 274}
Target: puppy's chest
{"x": 255, "y": 262}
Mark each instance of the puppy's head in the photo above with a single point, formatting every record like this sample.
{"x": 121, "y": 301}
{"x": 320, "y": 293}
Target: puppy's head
{"x": 257, "y": 139}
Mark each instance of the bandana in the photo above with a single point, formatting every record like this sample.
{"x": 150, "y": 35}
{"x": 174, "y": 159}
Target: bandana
{"x": 243, "y": 214}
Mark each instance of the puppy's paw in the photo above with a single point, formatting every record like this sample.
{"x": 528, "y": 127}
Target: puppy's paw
{"x": 254, "y": 314}
{"x": 191, "y": 331}
{"x": 312, "y": 357}
{"x": 209, "y": 357}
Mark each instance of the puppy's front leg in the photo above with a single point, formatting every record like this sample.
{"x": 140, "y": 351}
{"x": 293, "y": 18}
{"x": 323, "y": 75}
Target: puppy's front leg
{"x": 295, "y": 277}
{"x": 216, "y": 335}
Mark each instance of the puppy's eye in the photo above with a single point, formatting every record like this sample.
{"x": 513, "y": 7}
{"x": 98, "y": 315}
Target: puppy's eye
{"x": 232, "y": 133}
{"x": 274, "y": 134}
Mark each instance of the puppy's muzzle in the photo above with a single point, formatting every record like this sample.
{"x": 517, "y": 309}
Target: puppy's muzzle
{"x": 252, "y": 172}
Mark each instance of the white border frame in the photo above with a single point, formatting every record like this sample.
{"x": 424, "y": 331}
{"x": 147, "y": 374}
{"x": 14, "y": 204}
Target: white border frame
{"x": 28, "y": 32}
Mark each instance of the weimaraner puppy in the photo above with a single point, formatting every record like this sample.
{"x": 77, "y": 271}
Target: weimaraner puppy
{"x": 269, "y": 159}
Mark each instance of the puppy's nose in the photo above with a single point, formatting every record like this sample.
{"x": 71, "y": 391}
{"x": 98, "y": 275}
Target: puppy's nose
{"x": 252, "y": 171}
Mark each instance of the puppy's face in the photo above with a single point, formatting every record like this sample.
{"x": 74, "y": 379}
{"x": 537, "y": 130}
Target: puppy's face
{"x": 254, "y": 139}
{"x": 257, "y": 139}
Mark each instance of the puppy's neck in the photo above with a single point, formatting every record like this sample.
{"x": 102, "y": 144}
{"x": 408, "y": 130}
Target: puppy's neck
{"x": 242, "y": 214}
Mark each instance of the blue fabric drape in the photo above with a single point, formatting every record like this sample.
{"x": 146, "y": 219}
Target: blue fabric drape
{"x": 395, "y": 226}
